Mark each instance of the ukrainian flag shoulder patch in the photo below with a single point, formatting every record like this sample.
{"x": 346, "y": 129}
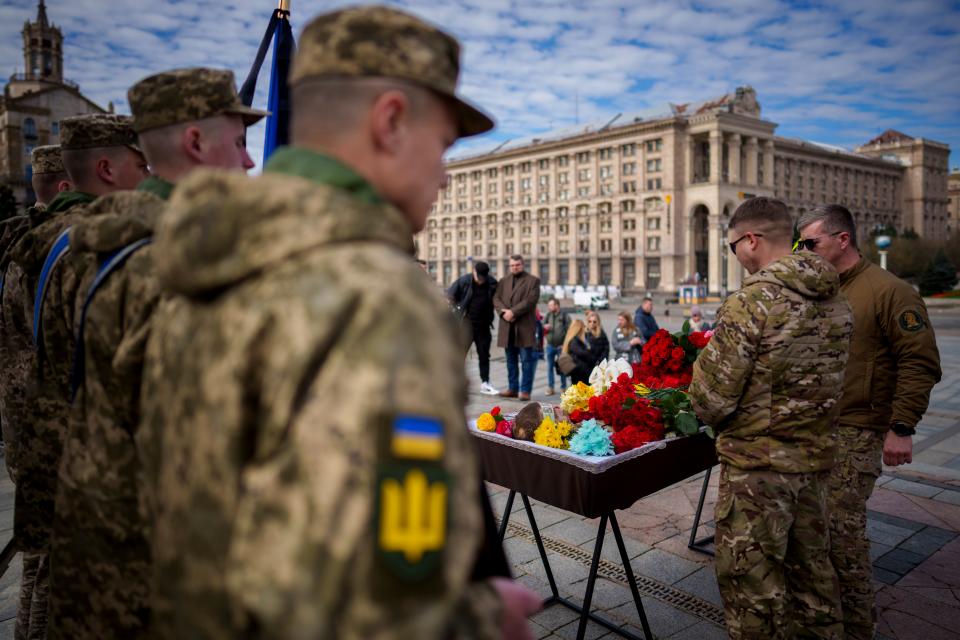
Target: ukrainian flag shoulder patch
{"x": 417, "y": 438}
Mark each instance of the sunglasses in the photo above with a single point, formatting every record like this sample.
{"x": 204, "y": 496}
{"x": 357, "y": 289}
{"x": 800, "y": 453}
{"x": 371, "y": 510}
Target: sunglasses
{"x": 810, "y": 243}
{"x": 733, "y": 245}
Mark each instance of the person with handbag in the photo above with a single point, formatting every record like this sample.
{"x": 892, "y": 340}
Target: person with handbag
{"x": 471, "y": 296}
{"x": 586, "y": 345}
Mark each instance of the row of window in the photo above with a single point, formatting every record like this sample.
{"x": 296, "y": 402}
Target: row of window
{"x": 563, "y": 194}
{"x": 563, "y": 248}
{"x": 543, "y": 181}
{"x": 563, "y": 228}
{"x": 626, "y": 206}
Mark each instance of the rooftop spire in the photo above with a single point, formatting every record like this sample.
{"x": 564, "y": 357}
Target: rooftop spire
{"x": 42, "y": 14}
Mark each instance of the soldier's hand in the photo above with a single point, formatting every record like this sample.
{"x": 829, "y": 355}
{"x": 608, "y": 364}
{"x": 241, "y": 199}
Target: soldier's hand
{"x": 897, "y": 450}
{"x": 519, "y": 603}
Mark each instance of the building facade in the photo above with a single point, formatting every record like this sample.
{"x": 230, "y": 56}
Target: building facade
{"x": 34, "y": 102}
{"x": 953, "y": 201}
{"x": 643, "y": 201}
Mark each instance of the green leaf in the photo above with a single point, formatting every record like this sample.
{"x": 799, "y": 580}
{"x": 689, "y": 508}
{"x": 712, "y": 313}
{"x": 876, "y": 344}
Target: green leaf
{"x": 629, "y": 402}
{"x": 687, "y": 423}
{"x": 711, "y": 433}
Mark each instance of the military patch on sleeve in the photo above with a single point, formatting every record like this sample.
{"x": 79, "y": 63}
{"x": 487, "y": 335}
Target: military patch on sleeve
{"x": 911, "y": 321}
{"x": 412, "y": 520}
{"x": 418, "y": 438}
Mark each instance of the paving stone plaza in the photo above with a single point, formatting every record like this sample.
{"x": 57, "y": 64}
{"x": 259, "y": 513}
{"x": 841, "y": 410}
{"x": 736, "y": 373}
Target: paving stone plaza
{"x": 914, "y": 529}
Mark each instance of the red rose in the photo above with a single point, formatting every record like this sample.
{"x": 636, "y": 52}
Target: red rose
{"x": 495, "y": 411}
{"x": 698, "y": 339}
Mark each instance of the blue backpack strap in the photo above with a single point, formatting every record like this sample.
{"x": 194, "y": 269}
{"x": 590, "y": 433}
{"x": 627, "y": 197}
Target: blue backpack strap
{"x": 60, "y": 247}
{"x": 110, "y": 264}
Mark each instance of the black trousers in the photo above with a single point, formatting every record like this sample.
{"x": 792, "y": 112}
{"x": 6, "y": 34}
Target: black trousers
{"x": 480, "y": 336}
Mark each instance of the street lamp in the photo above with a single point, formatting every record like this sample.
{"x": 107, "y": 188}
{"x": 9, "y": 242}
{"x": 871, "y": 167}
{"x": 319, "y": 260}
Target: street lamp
{"x": 724, "y": 284}
{"x": 883, "y": 243}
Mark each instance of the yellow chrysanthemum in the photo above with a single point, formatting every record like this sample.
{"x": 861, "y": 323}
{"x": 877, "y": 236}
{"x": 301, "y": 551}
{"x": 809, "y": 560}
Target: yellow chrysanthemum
{"x": 576, "y": 397}
{"x": 548, "y": 435}
{"x": 486, "y": 422}
{"x": 564, "y": 428}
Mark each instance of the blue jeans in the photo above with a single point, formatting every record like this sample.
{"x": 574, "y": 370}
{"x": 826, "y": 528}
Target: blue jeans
{"x": 552, "y": 354}
{"x": 528, "y": 361}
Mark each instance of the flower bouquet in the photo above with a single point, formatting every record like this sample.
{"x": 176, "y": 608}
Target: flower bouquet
{"x": 624, "y": 407}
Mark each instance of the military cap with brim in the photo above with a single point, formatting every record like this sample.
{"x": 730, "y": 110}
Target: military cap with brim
{"x": 186, "y": 95}
{"x": 375, "y": 41}
{"x": 97, "y": 130}
{"x": 46, "y": 159}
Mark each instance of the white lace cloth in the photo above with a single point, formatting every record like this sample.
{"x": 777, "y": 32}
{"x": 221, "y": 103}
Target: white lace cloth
{"x": 593, "y": 464}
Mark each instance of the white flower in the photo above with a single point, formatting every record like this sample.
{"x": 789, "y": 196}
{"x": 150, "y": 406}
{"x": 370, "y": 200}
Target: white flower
{"x": 606, "y": 373}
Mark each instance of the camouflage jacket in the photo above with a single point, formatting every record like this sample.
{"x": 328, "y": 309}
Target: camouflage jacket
{"x": 99, "y": 580}
{"x": 770, "y": 379}
{"x": 894, "y": 362}
{"x": 36, "y": 414}
{"x": 303, "y": 389}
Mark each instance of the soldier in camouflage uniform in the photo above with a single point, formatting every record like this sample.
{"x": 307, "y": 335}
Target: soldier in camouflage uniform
{"x": 98, "y": 158}
{"x": 304, "y": 389}
{"x": 893, "y": 366}
{"x": 49, "y": 177}
{"x": 769, "y": 382}
{"x": 99, "y": 573}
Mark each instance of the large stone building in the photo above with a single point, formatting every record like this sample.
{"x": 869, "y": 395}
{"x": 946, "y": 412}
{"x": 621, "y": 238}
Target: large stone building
{"x": 953, "y": 201}
{"x": 642, "y": 201}
{"x": 34, "y": 102}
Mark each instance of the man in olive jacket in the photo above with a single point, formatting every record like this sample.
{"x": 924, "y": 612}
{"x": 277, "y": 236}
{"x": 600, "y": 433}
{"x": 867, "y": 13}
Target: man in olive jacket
{"x": 893, "y": 365}
{"x": 516, "y": 304}
{"x": 769, "y": 382}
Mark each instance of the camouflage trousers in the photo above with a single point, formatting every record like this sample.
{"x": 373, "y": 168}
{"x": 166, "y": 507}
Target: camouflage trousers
{"x": 851, "y": 483}
{"x": 772, "y": 564}
{"x": 31, "y": 621}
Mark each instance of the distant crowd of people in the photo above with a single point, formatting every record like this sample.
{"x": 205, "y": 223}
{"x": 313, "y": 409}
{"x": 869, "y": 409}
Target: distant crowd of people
{"x": 571, "y": 347}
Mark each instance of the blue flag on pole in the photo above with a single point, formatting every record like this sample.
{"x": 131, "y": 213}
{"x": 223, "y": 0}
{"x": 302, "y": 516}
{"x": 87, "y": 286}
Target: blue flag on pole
{"x": 280, "y": 34}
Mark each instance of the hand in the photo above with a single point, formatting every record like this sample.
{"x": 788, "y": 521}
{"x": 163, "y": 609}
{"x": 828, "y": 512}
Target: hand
{"x": 508, "y": 315}
{"x": 519, "y": 603}
{"x": 636, "y": 342}
{"x": 547, "y": 328}
{"x": 897, "y": 450}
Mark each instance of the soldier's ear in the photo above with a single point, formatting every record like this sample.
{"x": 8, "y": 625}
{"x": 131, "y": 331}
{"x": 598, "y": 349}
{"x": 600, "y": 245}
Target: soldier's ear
{"x": 191, "y": 143}
{"x": 388, "y": 119}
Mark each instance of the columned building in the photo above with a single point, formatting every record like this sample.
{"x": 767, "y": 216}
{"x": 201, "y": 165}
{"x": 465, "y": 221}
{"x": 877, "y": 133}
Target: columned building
{"x": 642, "y": 201}
{"x": 33, "y": 103}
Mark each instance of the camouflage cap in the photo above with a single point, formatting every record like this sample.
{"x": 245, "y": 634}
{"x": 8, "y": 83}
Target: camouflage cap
{"x": 377, "y": 41}
{"x": 47, "y": 159}
{"x": 185, "y": 95}
{"x": 97, "y": 130}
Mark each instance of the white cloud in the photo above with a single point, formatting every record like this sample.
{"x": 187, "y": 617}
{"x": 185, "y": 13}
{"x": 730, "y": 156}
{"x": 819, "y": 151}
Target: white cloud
{"x": 824, "y": 69}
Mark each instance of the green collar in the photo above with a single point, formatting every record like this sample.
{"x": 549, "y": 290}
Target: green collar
{"x": 157, "y": 186}
{"x": 294, "y": 161}
{"x": 69, "y": 199}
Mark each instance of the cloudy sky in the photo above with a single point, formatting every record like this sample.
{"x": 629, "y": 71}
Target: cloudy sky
{"x": 838, "y": 72}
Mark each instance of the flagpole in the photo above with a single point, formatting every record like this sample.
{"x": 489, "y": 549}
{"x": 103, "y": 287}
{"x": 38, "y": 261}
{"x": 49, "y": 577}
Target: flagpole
{"x": 284, "y": 6}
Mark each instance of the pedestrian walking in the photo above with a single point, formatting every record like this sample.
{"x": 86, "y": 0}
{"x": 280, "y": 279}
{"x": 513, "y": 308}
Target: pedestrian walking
{"x": 555, "y": 326}
{"x": 627, "y": 342}
{"x": 643, "y": 319}
{"x": 768, "y": 382}
{"x": 894, "y": 364}
{"x": 516, "y": 303}
{"x": 472, "y": 298}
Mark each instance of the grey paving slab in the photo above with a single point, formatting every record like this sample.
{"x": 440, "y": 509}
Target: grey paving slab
{"x": 664, "y": 566}
{"x": 887, "y": 533}
{"x": 927, "y": 541}
{"x": 554, "y": 617}
{"x": 519, "y": 551}
{"x": 607, "y": 594}
{"x": 664, "y": 620}
{"x": 6, "y": 520}
{"x": 10, "y": 590}
{"x": 593, "y": 632}
{"x": 903, "y": 523}
{"x": 884, "y": 576}
{"x": 7, "y": 629}
{"x": 877, "y": 550}
{"x": 539, "y": 633}
{"x": 913, "y": 488}
{"x": 899, "y": 561}
{"x": 566, "y": 572}
{"x": 546, "y": 515}
{"x": 950, "y": 497}
{"x": 575, "y": 531}
{"x": 612, "y": 553}
{"x": 702, "y": 584}
{"x": 701, "y": 631}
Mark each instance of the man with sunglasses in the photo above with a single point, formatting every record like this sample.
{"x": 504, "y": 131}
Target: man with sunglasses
{"x": 893, "y": 365}
{"x": 768, "y": 382}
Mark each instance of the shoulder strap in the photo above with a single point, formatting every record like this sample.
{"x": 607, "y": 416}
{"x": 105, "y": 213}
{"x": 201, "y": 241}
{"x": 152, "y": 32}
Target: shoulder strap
{"x": 3, "y": 278}
{"x": 110, "y": 264}
{"x": 60, "y": 247}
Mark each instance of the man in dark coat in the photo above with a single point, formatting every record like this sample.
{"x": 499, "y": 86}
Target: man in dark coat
{"x": 643, "y": 318}
{"x": 472, "y": 298}
{"x": 516, "y": 304}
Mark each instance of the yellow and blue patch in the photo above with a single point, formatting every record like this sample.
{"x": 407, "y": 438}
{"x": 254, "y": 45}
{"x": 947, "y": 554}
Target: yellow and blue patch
{"x": 417, "y": 437}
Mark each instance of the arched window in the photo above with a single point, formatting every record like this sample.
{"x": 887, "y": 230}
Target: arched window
{"x": 29, "y": 129}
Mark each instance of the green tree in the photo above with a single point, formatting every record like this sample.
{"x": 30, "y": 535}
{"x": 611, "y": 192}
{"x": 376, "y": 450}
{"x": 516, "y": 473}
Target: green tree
{"x": 8, "y": 203}
{"x": 939, "y": 276}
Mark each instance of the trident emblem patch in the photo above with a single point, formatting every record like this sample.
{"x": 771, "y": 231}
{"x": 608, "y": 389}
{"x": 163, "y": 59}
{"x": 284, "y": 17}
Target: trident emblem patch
{"x": 412, "y": 519}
